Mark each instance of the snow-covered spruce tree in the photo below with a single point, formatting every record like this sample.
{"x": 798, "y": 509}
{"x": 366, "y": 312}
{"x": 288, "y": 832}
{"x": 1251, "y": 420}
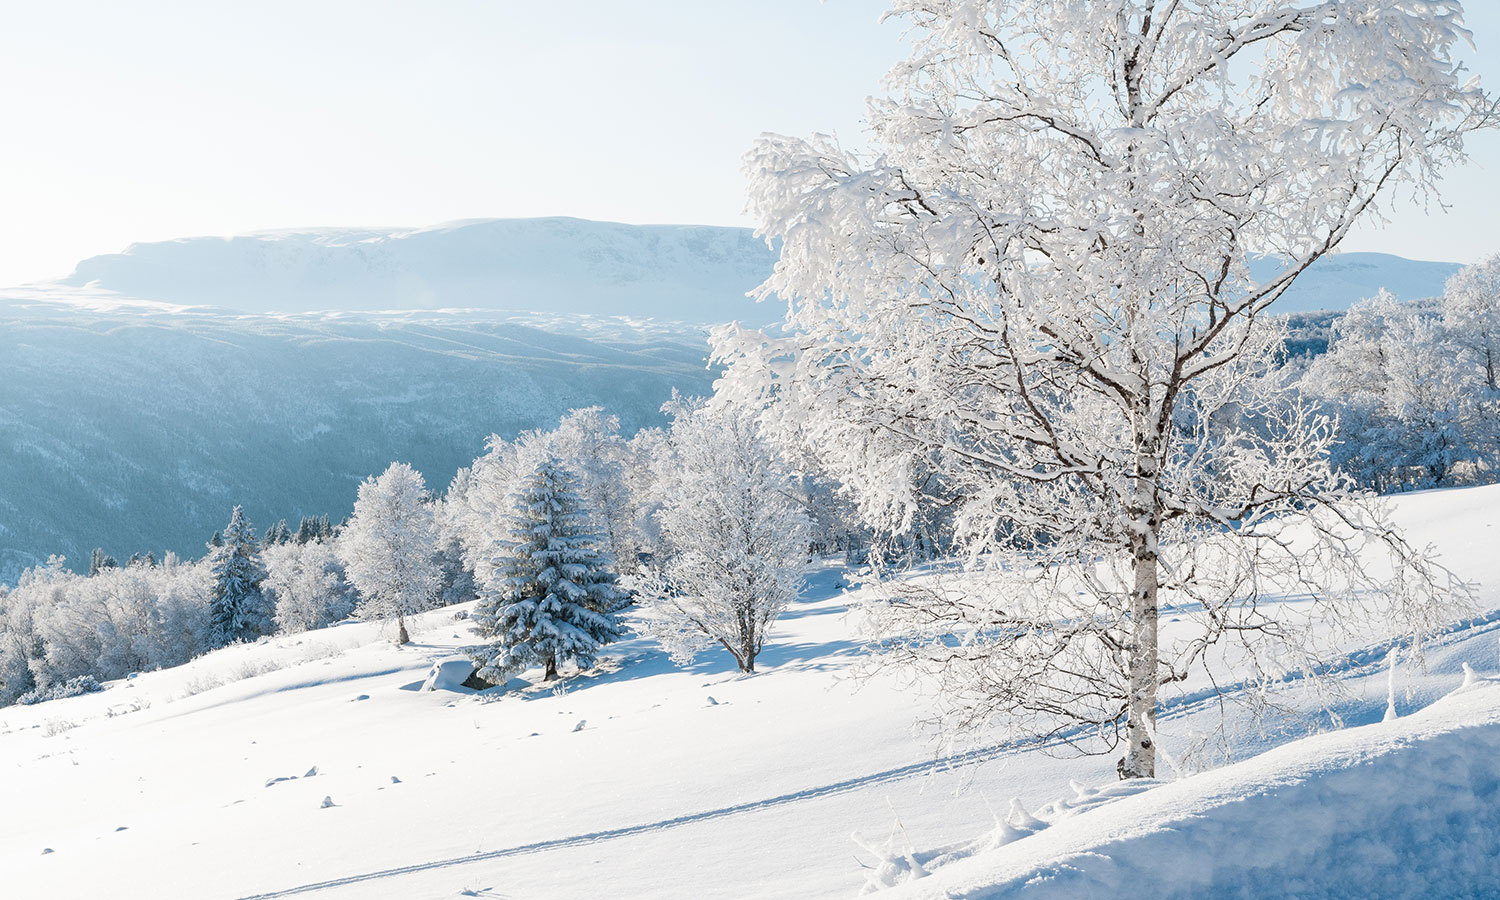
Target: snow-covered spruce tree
{"x": 734, "y": 541}
{"x": 388, "y": 548}
{"x": 238, "y": 609}
{"x": 1038, "y": 271}
{"x": 589, "y": 445}
{"x": 549, "y": 595}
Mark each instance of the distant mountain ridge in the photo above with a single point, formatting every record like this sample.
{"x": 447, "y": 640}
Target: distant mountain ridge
{"x": 1339, "y": 281}
{"x": 685, "y": 273}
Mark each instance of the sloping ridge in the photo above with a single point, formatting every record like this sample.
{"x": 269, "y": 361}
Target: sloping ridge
{"x": 687, "y": 273}
{"x": 1406, "y": 808}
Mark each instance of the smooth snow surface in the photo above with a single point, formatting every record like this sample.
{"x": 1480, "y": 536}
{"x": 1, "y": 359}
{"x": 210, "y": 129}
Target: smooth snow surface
{"x": 314, "y": 765}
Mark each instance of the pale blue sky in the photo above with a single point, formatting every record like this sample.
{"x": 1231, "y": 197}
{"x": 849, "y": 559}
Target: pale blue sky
{"x": 153, "y": 120}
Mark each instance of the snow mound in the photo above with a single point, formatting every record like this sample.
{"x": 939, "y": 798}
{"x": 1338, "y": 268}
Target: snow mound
{"x": 1402, "y": 808}
{"x": 449, "y": 674}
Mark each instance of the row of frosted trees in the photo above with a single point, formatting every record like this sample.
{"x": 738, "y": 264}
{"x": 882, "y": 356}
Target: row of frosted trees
{"x": 709, "y": 525}
{"x": 1413, "y": 386}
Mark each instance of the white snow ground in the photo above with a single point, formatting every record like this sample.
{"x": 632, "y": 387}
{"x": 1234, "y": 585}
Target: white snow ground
{"x": 311, "y": 765}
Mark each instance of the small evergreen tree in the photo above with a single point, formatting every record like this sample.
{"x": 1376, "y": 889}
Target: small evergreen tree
{"x": 551, "y": 596}
{"x": 99, "y": 561}
{"x": 238, "y": 609}
{"x": 307, "y": 530}
{"x": 277, "y": 534}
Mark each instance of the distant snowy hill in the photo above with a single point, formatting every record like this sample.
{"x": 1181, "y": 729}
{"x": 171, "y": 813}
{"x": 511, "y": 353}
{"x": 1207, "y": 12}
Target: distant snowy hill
{"x": 689, "y": 273}
{"x": 1337, "y": 282}
{"x": 139, "y": 429}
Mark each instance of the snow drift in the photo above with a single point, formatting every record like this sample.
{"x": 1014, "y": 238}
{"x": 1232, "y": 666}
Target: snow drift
{"x": 1406, "y": 808}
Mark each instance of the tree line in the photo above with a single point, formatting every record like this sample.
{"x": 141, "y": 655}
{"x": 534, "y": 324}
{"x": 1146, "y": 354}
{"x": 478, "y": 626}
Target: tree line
{"x": 539, "y": 529}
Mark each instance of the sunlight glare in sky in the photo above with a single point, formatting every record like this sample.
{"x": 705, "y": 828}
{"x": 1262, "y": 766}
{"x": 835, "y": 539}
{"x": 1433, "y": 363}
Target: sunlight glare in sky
{"x": 156, "y": 120}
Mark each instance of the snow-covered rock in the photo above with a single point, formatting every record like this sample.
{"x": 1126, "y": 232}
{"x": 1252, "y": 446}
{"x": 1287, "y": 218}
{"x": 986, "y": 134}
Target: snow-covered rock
{"x": 449, "y": 674}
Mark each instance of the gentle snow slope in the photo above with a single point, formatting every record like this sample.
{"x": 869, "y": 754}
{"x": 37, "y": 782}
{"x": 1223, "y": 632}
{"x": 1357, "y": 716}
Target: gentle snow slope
{"x": 642, "y": 780}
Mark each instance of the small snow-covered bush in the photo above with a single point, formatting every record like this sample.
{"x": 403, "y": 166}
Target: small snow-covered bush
{"x": 73, "y": 687}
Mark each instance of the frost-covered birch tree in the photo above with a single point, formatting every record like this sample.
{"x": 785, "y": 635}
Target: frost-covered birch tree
{"x": 734, "y": 539}
{"x": 388, "y": 547}
{"x": 1471, "y": 313}
{"x": 1037, "y": 283}
{"x": 307, "y": 582}
{"x": 1410, "y": 408}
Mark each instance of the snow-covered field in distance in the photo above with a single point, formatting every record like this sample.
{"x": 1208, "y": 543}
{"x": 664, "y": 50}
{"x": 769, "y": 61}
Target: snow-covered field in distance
{"x": 138, "y": 428}
{"x": 688, "y": 273}
{"x": 312, "y": 765}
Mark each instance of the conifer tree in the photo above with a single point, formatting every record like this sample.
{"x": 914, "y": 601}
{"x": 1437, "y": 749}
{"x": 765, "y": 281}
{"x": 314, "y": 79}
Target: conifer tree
{"x": 99, "y": 561}
{"x": 551, "y": 596}
{"x": 238, "y": 609}
{"x": 307, "y": 530}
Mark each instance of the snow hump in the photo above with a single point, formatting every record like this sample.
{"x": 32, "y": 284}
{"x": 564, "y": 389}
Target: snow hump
{"x": 1406, "y": 808}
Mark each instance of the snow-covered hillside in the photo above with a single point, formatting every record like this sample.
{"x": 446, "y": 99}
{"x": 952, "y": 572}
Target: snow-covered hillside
{"x": 690, "y": 273}
{"x": 313, "y": 765}
{"x": 138, "y": 430}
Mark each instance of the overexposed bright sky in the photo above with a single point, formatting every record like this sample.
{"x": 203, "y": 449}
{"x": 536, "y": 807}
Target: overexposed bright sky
{"x": 144, "y": 121}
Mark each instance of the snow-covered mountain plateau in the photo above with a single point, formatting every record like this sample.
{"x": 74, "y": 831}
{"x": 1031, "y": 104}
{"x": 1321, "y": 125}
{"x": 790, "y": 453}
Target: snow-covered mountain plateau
{"x": 691, "y": 273}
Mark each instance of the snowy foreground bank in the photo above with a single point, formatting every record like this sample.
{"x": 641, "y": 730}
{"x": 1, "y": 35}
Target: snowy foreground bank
{"x": 314, "y": 765}
{"x": 1409, "y": 808}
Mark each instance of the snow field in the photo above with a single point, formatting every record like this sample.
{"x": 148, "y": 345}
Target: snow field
{"x": 643, "y": 780}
